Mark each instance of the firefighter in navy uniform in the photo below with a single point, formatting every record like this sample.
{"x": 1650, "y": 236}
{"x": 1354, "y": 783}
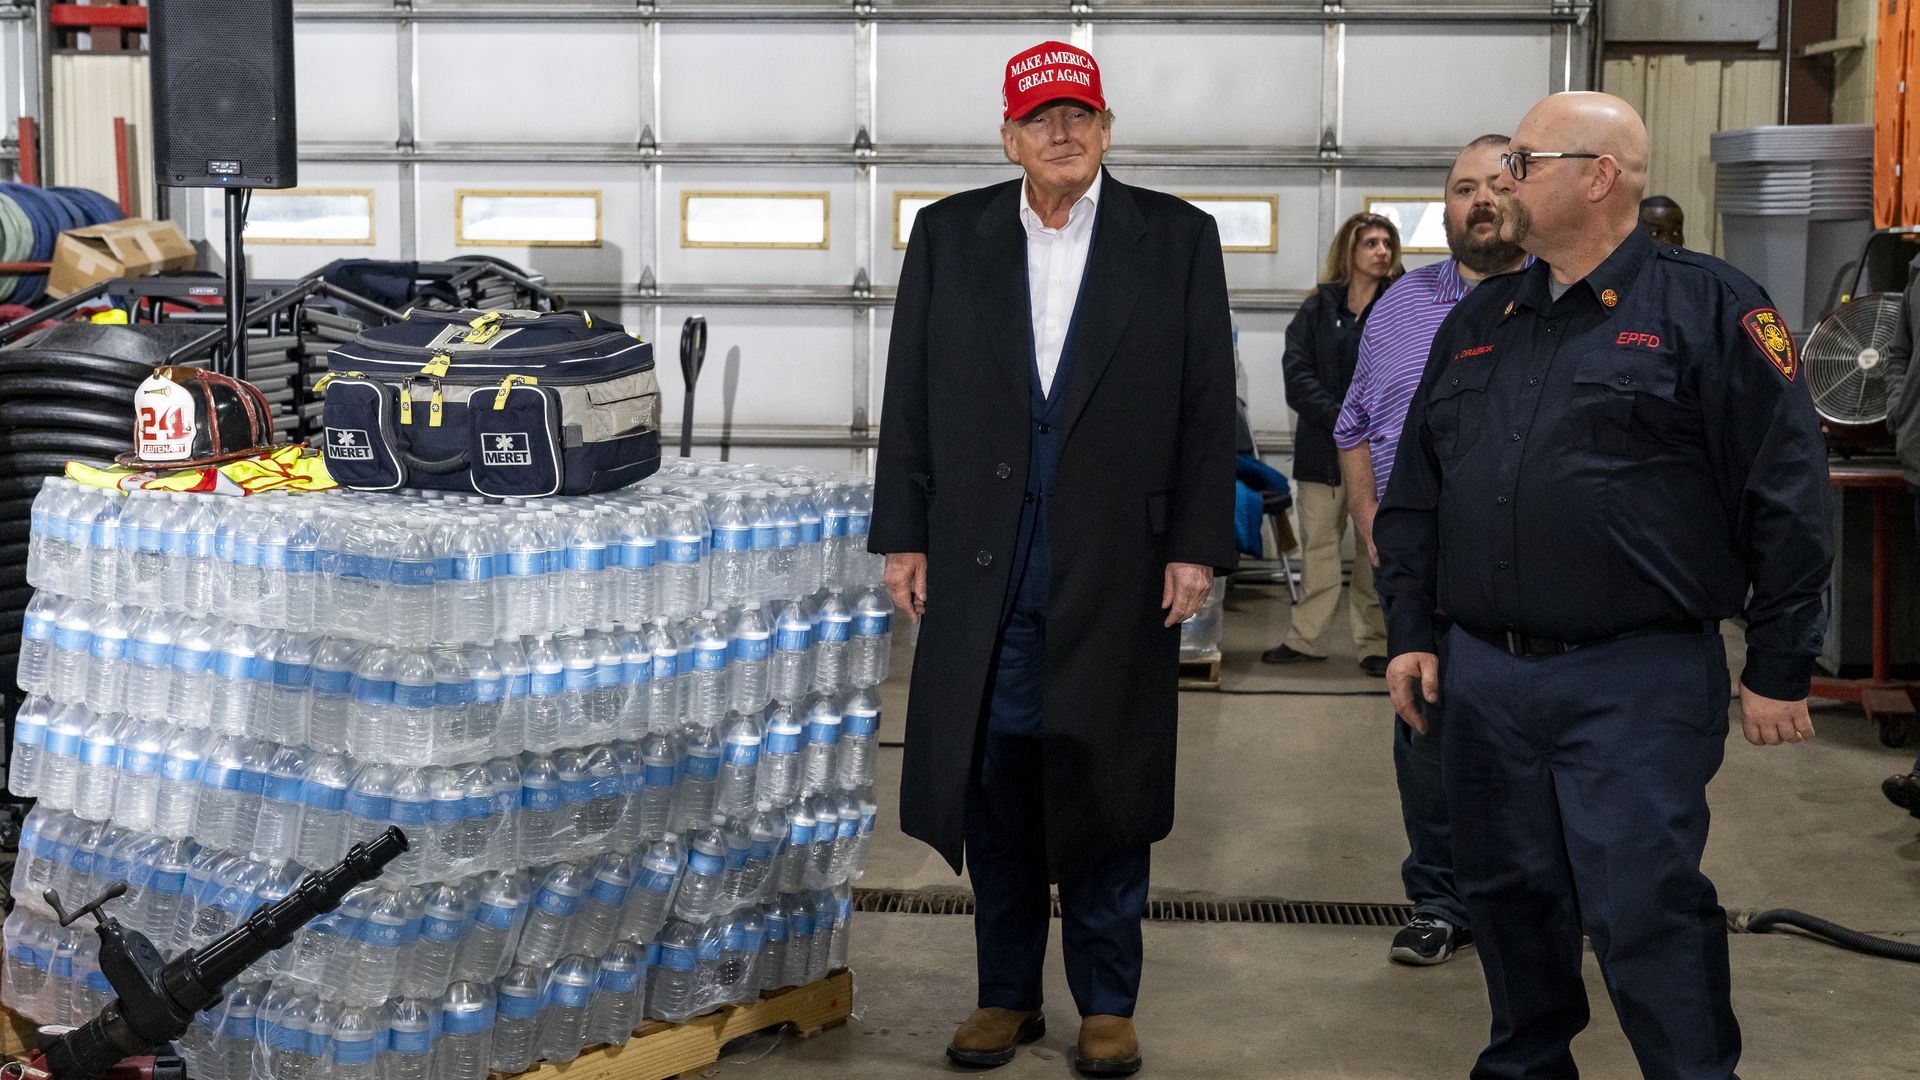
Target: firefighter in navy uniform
{"x": 1608, "y": 451}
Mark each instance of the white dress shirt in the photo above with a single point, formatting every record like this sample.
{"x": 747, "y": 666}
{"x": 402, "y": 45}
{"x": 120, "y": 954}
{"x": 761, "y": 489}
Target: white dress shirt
{"x": 1056, "y": 264}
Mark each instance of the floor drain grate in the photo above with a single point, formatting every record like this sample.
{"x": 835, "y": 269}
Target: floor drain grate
{"x": 1236, "y": 910}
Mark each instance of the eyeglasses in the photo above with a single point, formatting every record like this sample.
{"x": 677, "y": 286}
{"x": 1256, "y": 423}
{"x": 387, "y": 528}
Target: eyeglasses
{"x": 1516, "y": 162}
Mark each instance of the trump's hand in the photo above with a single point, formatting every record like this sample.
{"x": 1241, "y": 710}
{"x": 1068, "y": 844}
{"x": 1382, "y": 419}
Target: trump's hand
{"x": 1769, "y": 722}
{"x": 906, "y": 578}
{"x": 1411, "y": 678}
{"x": 1186, "y": 589}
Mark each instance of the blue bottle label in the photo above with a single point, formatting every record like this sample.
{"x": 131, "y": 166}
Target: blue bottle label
{"x": 472, "y": 567}
{"x": 683, "y": 552}
{"x": 107, "y": 648}
{"x": 411, "y": 574}
{"x": 451, "y": 695}
{"x": 189, "y": 661}
{"x": 665, "y": 666}
{"x": 282, "y": 789}
{"x": 701, "y": 766}
{"x": 675, "y": 958}
{"x": 488, "y": 691}
{"x": 700, "y": 862}
{"x": 608, "y": 893}
{"x": 220, "y": 777}
{"x": 786, "y": 536}
{"x": 525, "y": 563}
{"x": 411, "y": 1042}
{"x": 743, "y": 754}
{"x": 150, "y": 654}
{"x": 251, "y": 782}
{"x": 737, "y": 856}
{"x": 407, "y": 812}
{"x": 732, "y": 539}
{"x": 273, "y": 556}
{"x": 470, "y": 1021}
{"x": 659, "y": 776}
{"x": 519, "y": 686}
{"x": 173, "y": 768}
{"x": 367, "y": 807}
{"x": 776, "y": 929}
{"x": 858, "y": 524}
{"x": 849, "y": 828}
{"x": 557, "y": 903}
{"x": 710, "y": 947}
{"x": 515, "y": 1007}
{"x": 373, "y": 691}
{"x": 410, "y": 696}
{"x": 301, "y": 560}
{"x": 446, "y": 812}
{"x": 639, "y": 554}
{"x": 322, "y": 797}
{"x": 29, "y": 733}
{"x": 823, "y": 732}
{"x": 495, "y": 917}
{"x": 765, "y": 537}
{"x": 240, "y": 1028}
{"x": 860, "y": 723}
{"x": 802, "y": 922}
{"x": 63, "y": 743}
{"x": 589, "y": 560}
{"x": 836, "y": 524}
{"x": 104, "y": 755}
{"x": 709, "y": 657}
{"x": 36, "y": 628}
{"x": 293, "y": 676}
{"x": 783, "y": 742}
{"x": 577, "y": 679}
{"x": 605, "y": 675}
{"x": 835, "y": 630}
{"x": 332, "y": 683}
{"x": 577, "y": 790}
{"x": 763, "y": 850}
{"x": 68, "y": 639}
{"x": 617, "y": 981}
{"x": 810, "y": 532}
{"x": 656, "y": 881}
{"x": 752, "y": 648}
{"x": 870, "y": 625}
{"x": 477, "y": 807}
{"x": 800, "y": 834}
{"x": 540, "y": 799}
{"x": 440, "y": 930}
{"x": 547, "y": 683}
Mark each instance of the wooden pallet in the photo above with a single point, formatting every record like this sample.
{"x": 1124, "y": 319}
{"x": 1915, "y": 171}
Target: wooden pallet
{"x": 1200, "y": 674}
{"x": 657, "y": 1051}
{"x": 660, "y": 1051}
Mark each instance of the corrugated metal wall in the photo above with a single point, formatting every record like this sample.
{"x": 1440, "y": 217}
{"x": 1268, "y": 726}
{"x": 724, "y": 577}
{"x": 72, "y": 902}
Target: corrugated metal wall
{"x": 1683, "y": 101}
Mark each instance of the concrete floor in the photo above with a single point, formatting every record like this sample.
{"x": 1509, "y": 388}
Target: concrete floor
{"x": 1293, "y": 797}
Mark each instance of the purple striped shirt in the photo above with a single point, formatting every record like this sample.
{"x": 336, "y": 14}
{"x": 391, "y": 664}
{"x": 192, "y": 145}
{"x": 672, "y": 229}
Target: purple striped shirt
{"x": 1393, "y": 355}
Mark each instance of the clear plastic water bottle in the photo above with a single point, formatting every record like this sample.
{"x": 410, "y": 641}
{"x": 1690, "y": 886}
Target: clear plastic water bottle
{"x": 107, "y": 658}
{"x": 357, "y": 1035}
{"x": 551, "y": 916}
{"x": 276, "y": 830}
{"x": 149, "y": 668}
{"x": 72, "y": 636}
{"x": 383, "y": 939}
{"x": 99, "y": 767}
{"x": 516, "y": 700}
{"x": 834, "y": 515}
{"x": 651, "y": 897}
{"x": 539, "y": 818}
{"x": 863, "y": 567}
{"x": 276, "y": 531}
{"x": 781, "y": 756}
{"x": 818, "y": 765}
{"x": 450, "y": 737}
{"x": 859, "y": 734}
{"x": 324, "y": 821}
{"x": 413, "y": 1030}
{"x": 35, "y": 672}
{"x": 411, "y": 587}
{"x": 636, "y": 692}
{"x": 801, "y": 924}
{"x": 741, "y": 742}
{"x": 599, "y": 915}
{"x": 609, "y": 673}
{"x": 231, "y": 677}
{"x": 521, "y": 576}
{"x": 197, "y": 575}
{"x": 672, "y": 978}
{"x": 871, "y": 648}
{"x": 701, "y": 885}
{"x": 302, "y": 568}
{"x": 563, "y": 1024}
{"x": 699, "y": 779}
{"x": 232, "y": 1050}
{"x": 60, "y": 769}
{"x": 410, "y": 806}
{"x": 578, "y": 659}
{"x": 869, "y": 813}
{"x": 469, "y": 588}
{"x": 499, "y": 911}
{"x": 773, "y": 944}
{"x": 409, "y": 732}
{"x": 485, "y": 697}
{"x": 708, "y": 690}
{"x": 847, "y": 840}
{"x": 29, "y": 746}
{"x": 466, "y": 1041}
{"x": 809, "y": 566}
{"x": 104, "y": 546}
{"x": 222, "y": 776}
{"x": 833, "y": 630}
{"x": 576, "y": 794}
{"x": 826, "y": 840}
{"x": 637, "y": 553}
{"x": 288, "y": 655}
{"x": 187, "y": 689}
{"x": 783, "y": 561}
{"x": 520, "y": 1001}
{"x": 683, "y": 571}
{"x": 617, "y": 995}
{"x": 588, "y": 587}
{"x": 751, "y": 659}
{"x": 668, "y": 685}
{"x": 797, "y": 857}
{"x": 733, "y": 560}
{"x": 546, "y": 711}
{"x": 826, "y": 913}
{"x": 177, "y": 801}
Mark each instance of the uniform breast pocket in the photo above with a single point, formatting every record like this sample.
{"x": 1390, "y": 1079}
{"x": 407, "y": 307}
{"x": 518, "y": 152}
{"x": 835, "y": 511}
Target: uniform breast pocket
{"x": 1626, "y": 400}
{"x": 1457, "y": 408}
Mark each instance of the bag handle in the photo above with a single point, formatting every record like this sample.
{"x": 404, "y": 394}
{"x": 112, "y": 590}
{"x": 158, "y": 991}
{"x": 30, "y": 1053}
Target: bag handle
{"x": 440, "y": 467}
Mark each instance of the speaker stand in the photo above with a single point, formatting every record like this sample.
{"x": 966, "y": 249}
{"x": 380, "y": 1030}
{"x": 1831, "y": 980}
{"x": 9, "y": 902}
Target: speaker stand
{"x": 236, "y": 364}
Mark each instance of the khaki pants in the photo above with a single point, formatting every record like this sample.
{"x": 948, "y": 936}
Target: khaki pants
{"x": 1323, "y": 522}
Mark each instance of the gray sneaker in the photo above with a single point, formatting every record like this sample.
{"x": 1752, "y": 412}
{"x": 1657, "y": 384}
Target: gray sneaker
{"x": 1427, "y": 940}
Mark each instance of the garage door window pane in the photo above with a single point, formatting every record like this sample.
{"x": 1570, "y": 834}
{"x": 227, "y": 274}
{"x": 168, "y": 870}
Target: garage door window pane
{"x": 1421, "y": 220}
{"x": 1247, "y": 222}
{"x": 907, "y": 206}
{"x": 753, "y": 219}
{"x": 527, "y": 219}
{"x": 310, "y": 216}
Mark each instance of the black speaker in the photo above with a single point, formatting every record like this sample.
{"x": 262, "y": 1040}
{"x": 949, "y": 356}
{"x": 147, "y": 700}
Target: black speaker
{"x": 223, "y": 93}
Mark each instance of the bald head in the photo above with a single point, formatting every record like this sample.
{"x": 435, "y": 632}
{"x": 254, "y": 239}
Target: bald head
{"x": 1585, "y": 172}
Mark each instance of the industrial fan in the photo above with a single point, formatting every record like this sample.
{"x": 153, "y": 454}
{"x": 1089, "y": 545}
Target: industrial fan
{"x": 1845, "y": 360}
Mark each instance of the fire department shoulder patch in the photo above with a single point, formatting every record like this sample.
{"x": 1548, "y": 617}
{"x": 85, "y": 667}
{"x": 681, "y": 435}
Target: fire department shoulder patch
{"x": 1769, "y": 332}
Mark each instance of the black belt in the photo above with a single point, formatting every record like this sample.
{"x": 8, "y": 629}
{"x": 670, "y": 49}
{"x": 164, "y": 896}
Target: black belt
{"x": 1518, "y": 644}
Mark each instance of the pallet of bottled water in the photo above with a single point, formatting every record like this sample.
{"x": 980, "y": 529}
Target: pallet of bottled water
{"x": 630, "y": 739}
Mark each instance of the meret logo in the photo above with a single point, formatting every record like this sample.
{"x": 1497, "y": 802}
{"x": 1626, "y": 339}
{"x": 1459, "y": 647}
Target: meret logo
{"x": 506, "y": 448}
{"x": 348, "y": 444}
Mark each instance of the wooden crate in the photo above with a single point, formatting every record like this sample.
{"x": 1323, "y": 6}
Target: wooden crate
{"x": 658, "y": 1051}
{"x": 1200, "y": 674}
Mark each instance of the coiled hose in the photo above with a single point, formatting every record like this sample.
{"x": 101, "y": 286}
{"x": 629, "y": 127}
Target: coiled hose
{"x": 1833, "y": 933}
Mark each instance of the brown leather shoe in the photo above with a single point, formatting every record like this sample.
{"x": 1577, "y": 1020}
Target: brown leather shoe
{"x": 990, "y": 1037}
{"x": 1108, "y": 1047}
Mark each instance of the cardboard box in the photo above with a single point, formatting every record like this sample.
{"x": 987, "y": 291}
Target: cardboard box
{"x": 135, "y": 247}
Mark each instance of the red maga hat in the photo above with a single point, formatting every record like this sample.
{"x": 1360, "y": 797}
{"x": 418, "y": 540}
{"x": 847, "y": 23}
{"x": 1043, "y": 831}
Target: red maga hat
{"x": 1047, "y": 72}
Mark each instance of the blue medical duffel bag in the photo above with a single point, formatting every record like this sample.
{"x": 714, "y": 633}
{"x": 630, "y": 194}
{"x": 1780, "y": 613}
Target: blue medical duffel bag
{"x": 504, "y": 403}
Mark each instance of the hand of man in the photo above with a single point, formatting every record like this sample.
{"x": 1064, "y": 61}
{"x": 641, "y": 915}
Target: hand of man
{"x": 1186, "y": 589}
{"x": 1411, "y": 674}
{"x": 1768, "y": 722}
{"x": 1365, "y": 529}
{"x": 906, "y": 578}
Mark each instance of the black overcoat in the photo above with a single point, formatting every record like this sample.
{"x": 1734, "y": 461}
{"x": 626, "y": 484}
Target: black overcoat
{"x": 1145, "y": 477}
